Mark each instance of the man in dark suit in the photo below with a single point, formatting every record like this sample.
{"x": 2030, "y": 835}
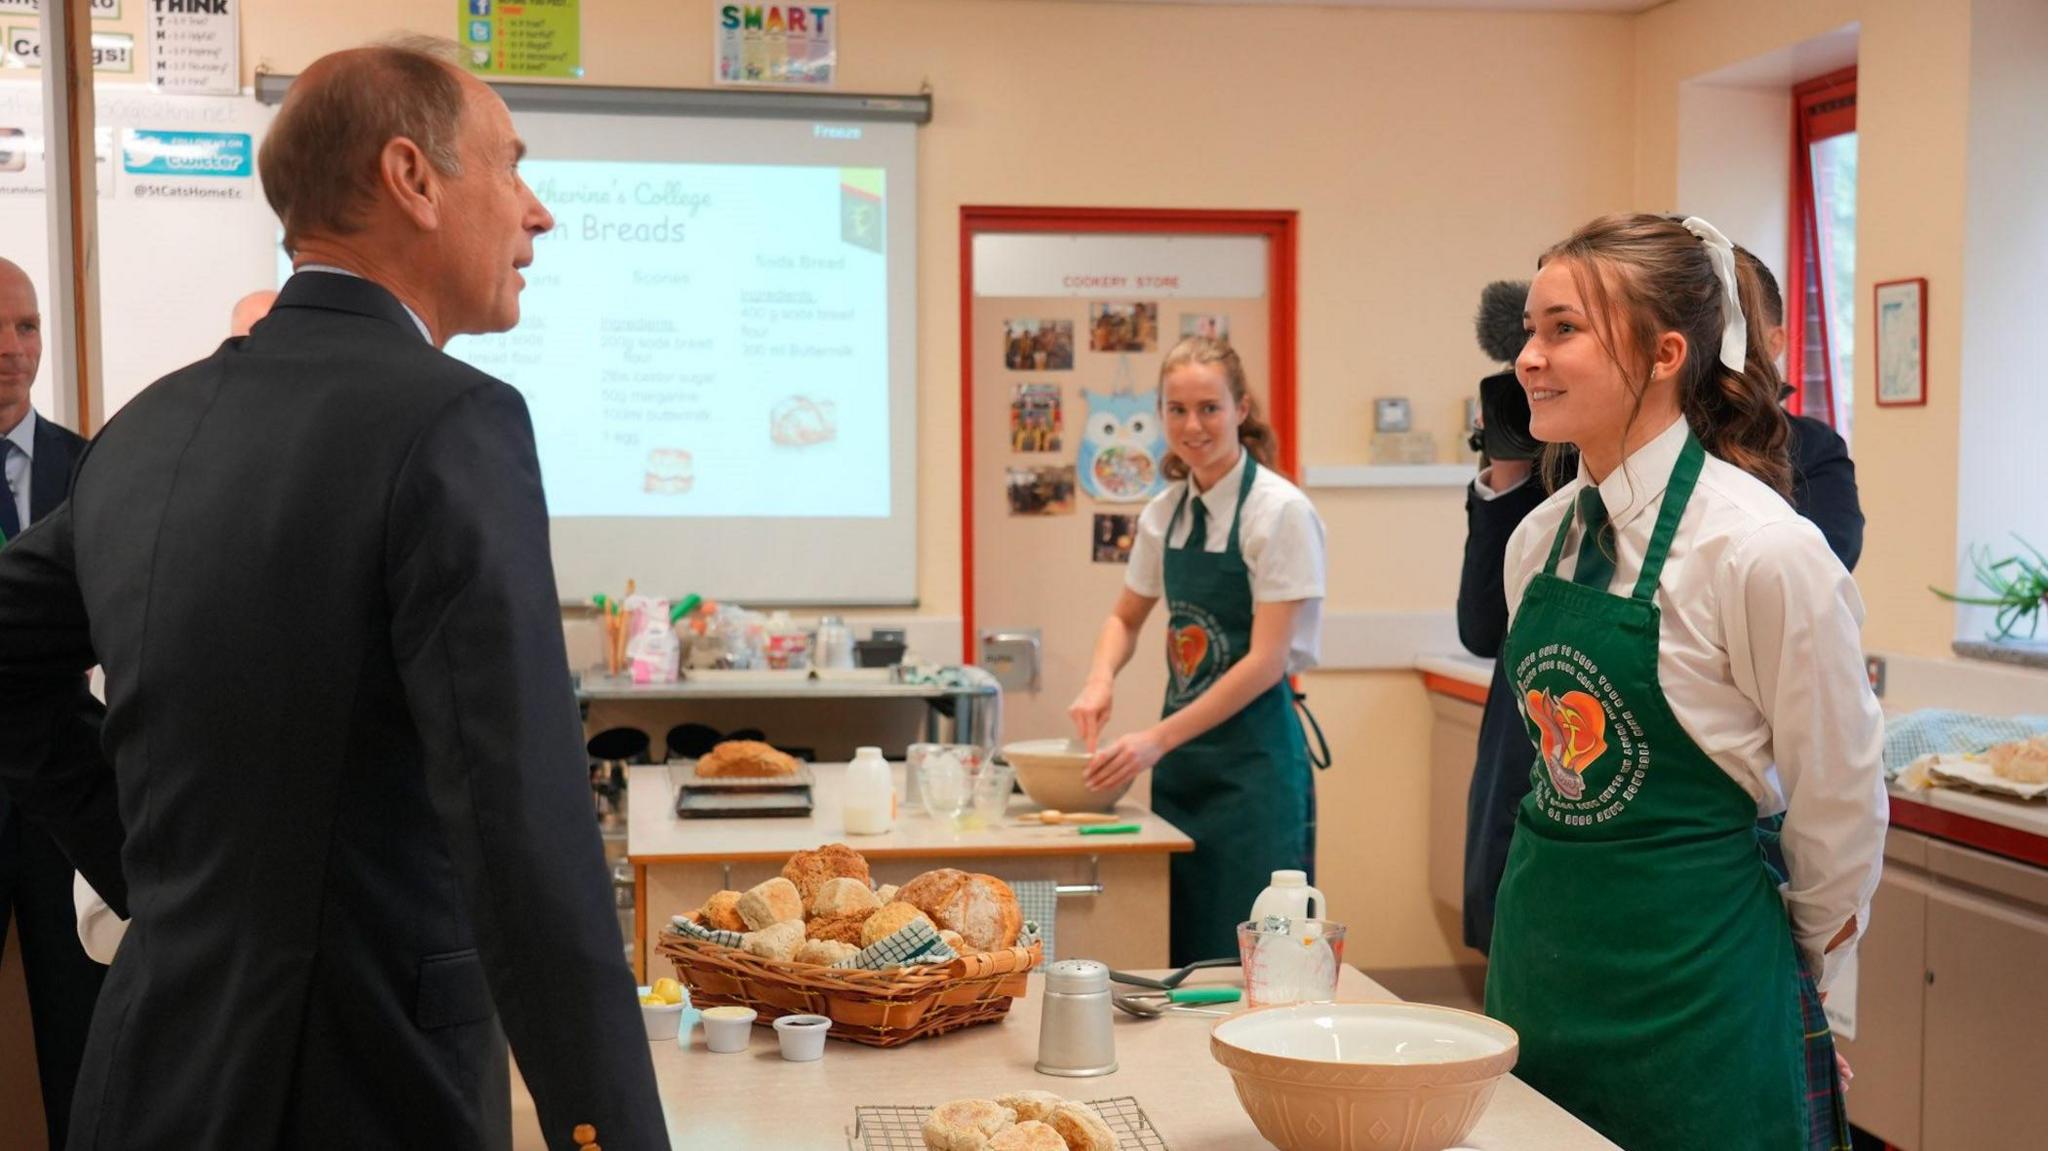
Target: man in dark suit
{"x": 35, "y": 878}
{"x": 341, "y": 732}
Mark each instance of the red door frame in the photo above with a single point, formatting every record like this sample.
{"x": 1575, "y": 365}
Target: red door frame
{"x": 1818, "y": 113}
{"x": 1279, "y": 228}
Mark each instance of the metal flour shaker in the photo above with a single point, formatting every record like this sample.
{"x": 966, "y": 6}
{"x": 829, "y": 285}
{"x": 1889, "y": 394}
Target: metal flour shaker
{"x": 1074, "y": 1037}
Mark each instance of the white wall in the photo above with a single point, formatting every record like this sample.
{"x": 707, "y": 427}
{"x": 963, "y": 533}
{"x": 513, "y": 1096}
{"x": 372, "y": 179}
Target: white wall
{"x": 1735, "y": 164}
{"x": 2005, "y": 260}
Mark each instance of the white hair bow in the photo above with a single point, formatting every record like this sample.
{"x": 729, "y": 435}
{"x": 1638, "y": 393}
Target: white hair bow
{"x": 1734, "y": 329}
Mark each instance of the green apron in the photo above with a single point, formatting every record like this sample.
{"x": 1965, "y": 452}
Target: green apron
{"x": 1241, "y": 790}
{"x": 1641, "y": 947}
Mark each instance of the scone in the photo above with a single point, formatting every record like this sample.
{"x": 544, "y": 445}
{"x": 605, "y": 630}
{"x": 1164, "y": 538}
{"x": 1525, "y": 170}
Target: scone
{"x": 843, "y": 895}
{"x": 952, "y": 939}
{"x": 1030, "y": 1135}
{"x": 981, "y": 908}
{"x": 722, "y": 912}
{"x": 1031, "y": 1104}
{"x": 888, "y": 921}
{"x": 744, "y": 757}
{"x": 769, "y": 902}
{"x": 775, "y": 941}
{"x": 887, "y": 892}
{"x": 837, "y": 928}
{"x": 1081, "y": 1127}
{"x": 2021, "y": 760}
{"x": 810, "y": 870}
{"x": 965, "y": 1125}
{"x": 825, "y": 952}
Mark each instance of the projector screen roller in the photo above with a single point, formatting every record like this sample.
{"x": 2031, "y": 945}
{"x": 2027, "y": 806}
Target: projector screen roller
{"x": 717, "y": 347}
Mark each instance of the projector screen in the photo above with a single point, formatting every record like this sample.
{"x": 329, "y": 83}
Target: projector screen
{"x": 718, "y": 346}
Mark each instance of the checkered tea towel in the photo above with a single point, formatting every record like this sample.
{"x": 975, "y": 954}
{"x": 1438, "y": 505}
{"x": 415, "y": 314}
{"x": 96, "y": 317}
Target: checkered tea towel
{"x": 916, "y": 942}
{"x": 1038, "y": 900}
{"x": 1934, "y": 731}
{"x": 683, "y": 926}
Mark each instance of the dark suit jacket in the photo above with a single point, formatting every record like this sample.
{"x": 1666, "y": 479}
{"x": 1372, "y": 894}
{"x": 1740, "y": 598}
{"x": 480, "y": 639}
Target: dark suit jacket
{"x": 315, "y": 566}
{"x": 1823, "y": 490}
{"x": 49, "y": 484}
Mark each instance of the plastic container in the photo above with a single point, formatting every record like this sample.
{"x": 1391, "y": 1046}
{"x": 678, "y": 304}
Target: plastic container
{"x": 1289, "y": 897}
{"x": 869, "y": 800}
{"x": 662, "y": 1019}
{"x": 834, "y": 647}
{"x": 802, "y": 1037}
{"x": 727, "y": 1029}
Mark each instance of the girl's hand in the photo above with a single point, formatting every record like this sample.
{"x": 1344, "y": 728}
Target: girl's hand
{"x": 1124, "y": 760}
{"x": 1090, "y": 712}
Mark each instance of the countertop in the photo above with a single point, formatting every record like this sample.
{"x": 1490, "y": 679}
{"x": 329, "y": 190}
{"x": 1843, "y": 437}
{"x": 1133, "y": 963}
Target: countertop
{"x": 2014, "y": 828}
{"x": 655, "y": 835}
{"x": 754, "y": 1101}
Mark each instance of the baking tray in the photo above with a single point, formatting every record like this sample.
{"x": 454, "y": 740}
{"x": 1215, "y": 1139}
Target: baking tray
{"x": 740, "y": 796}
{"x": 898, "y": 1128}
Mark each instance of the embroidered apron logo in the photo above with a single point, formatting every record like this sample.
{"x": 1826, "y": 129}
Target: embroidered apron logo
{"x": 1188, "y": 645}
{"x": 1580, "y": 716}
{"x": 1574, "y": 733}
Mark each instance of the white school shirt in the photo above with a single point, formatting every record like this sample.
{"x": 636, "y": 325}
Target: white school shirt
{"x": 1760, "y": 656}
{"x": 1282, "y": 542}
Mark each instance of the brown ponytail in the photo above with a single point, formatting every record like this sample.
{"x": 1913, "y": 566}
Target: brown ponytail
{"x": 1664, "y": 281}
{"x": 1254, "y": 433}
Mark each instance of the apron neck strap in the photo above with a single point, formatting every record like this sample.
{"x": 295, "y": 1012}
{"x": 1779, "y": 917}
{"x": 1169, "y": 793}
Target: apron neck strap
{"x": 1685, "y": 476}
{"x": 1677, "y": 493}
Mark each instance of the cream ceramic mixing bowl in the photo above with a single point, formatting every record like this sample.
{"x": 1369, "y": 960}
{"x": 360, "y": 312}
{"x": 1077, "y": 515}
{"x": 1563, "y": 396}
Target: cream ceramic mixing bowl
{"x": 1364, "y": 1076}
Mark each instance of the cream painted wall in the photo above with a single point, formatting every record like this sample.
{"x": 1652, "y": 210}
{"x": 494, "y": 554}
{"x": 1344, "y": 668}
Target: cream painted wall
{"x": 2008, "y": 250}
{"x": 1912, "y": 117}
{"x": 1735, "y": 164}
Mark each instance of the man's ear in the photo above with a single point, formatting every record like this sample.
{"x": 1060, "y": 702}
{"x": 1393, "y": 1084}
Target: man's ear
{"x": 409, "y": 179}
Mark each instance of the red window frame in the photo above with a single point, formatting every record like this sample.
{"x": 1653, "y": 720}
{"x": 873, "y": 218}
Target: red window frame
{"x": 1821, "y": 107}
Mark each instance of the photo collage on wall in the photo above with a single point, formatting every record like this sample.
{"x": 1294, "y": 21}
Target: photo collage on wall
{"x": 1117, "y": 445}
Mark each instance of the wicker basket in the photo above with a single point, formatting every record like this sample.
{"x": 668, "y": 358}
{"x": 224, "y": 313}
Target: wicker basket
{"x": 878, "y": 1008}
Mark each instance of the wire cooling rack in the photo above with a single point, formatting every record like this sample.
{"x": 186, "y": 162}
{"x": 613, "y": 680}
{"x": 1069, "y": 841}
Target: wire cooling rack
{"x": 902, "y": 1128}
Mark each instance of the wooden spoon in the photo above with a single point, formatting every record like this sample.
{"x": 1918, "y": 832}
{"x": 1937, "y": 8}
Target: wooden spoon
{"x": 1051, "y": 816}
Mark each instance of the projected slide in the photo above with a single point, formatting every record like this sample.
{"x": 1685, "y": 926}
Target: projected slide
{"x": 705, "y": 340}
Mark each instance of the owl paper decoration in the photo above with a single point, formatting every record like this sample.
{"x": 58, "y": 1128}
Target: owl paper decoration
{"x": 1123, "y": 446}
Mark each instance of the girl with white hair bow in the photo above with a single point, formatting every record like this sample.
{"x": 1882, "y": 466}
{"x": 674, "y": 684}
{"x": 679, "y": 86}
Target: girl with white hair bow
{"x": 1686, "y": 651}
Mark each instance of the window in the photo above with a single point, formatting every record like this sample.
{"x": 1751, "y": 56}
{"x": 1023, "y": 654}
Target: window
{"x": 1820, "y": 297}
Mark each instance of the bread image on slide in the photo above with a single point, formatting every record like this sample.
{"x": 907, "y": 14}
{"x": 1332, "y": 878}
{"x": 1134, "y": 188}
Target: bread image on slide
{"x": 799, "y": 422}
{"x": 670, "y": 472}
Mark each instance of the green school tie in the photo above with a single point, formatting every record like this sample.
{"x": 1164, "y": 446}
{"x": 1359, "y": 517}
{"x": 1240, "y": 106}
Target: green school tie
{"x": 1596, "y": 547}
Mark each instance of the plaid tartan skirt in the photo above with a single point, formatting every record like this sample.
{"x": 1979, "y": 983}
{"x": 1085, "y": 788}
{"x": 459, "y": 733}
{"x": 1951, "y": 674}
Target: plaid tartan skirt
{"x": 1827, "y": 1113}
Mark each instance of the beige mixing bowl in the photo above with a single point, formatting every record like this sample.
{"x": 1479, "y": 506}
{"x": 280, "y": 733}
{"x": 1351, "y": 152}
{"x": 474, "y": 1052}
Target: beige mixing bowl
{"x": 1364, "y": 1076}
{"x": 1050, "y": 771}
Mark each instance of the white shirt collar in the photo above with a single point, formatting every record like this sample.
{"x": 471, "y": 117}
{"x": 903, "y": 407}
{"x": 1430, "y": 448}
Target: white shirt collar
{"x": 24, "y": 435}
{"x": 1641, "y": 479}
{"x": 1222, "y": 495}
{"x": 417, "y": 322}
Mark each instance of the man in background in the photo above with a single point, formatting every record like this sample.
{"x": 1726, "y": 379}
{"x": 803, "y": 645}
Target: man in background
{"x": 35, "y": 878}
{"x": 343, "y": 742}
{"x": 249, "y": 309}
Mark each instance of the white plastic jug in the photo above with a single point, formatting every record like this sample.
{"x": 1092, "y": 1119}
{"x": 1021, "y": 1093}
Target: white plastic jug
{"x": 870, "y": 796}
{"x": 1289, "y": 897}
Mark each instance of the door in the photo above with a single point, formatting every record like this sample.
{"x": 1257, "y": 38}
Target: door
{"x": 1986, "y": 1012}
{"x": 1891, "y": 977}
{"x": 1064, "y": 333}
